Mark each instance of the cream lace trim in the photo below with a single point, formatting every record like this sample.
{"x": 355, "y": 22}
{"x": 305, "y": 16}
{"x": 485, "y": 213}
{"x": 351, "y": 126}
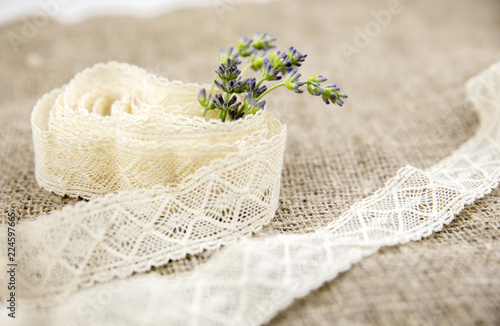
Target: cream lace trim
{"x": 163, "y": 182}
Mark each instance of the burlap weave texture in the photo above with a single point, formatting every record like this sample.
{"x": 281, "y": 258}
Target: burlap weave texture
{"x": 406, "y": 107}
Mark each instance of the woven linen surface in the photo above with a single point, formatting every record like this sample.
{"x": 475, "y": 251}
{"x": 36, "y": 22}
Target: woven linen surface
{"x": 406, "y": 106}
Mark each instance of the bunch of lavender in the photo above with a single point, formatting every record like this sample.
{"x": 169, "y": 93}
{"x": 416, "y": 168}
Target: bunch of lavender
{"x": 277, "y": 65}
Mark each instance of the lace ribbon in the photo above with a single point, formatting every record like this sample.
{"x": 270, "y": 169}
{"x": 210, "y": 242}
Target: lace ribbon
{"x": 248, "y": 282}
{"x": 165, "y": 183}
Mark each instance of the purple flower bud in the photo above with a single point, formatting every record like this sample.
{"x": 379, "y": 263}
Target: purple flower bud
{"x": 248, "y": 99}
{"x": 202, "y": 97}
{"x": 315, "y": 90}
{"x": 295, "y": 57}
{"x": 317, "y": 79}
{"x": 325, "y": 99}
{"x": 225, "y": 54}
{"x": 260, "y": 105}
{"x": 292, "y": 83}
{"x": 268, "y": 72}
{"x": 221, "y": 86}
{"x": 254, "y": 107}
{"x": 232, "y": 100}
{"x": 263, "y": 42}
{"x": 261, "y": 90}
{"x": 244, "y": 46}
{"x": 218, "y": 101}
{"x": 256, "y": 61}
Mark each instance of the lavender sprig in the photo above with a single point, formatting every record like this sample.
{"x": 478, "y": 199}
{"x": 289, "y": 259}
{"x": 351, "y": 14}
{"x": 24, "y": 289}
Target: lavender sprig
{"x": 329, "y": 93}
{"x": 277, "y": 66}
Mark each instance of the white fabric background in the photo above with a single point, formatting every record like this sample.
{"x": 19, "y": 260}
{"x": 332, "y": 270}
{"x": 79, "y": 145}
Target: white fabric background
{"x": 73, "y": 11}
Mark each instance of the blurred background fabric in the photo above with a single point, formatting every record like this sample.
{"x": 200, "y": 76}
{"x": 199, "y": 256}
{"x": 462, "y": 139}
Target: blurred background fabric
{"x": 74, "y": 11}
{"x": 404, "y": 65}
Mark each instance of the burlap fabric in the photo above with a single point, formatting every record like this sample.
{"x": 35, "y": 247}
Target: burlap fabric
{"x": 406, "y": 106}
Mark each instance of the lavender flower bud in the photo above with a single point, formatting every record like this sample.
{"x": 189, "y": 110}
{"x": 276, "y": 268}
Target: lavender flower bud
{"x": 250, "y": 86}
{"x": 292, "y": 83}
{"x": 241, "y": 86}
{"x": 235, "y": 114}
{"x": 261, "y": 90}
{"x": 333, "y": 94}
{"x": 234, "y": 85}
{"x": 268, "y": 72}
{"x": 332, "y": 87}
{"x": 263, "y": 42}
{"x": 296, "y": 58}
{"x": 279, "y": 61}
{"x": 232, "y": 102}
{"x": 218, "y": 101}
{"x": 248, "y": 99}
{"x": 316, "y": 79}
{"x": 314, "y": 89}
{"x": 228, "y": 71}
{"x": 225, "y": 54}
{"x": 244, "y": 46}
{"x": 256, "y": 61}
{"x": 254, "y": 107}
{"x": 326, "y": 98}
{"x": 202, "y": 98}
{"x": 220, "y": 85}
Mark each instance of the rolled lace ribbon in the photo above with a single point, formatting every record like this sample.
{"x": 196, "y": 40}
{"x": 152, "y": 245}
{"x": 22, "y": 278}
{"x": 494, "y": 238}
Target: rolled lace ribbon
{"x": 163, "y": 182}
{"x": 115, "y": 127}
